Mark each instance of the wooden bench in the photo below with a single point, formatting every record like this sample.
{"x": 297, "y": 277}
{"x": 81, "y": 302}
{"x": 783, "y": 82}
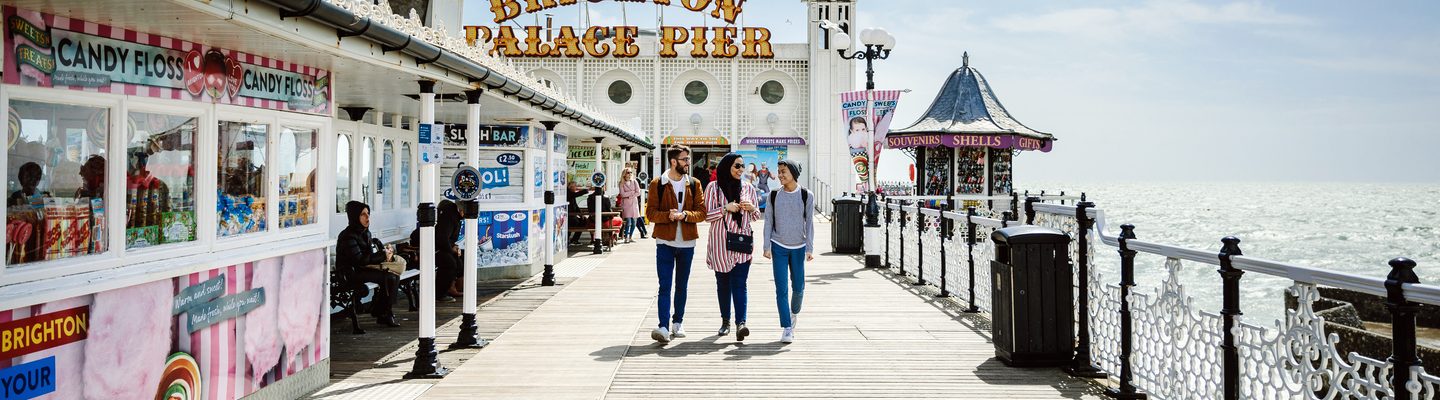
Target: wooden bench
{"x": 608, "y": 235}
{"x": 348, "y": 297}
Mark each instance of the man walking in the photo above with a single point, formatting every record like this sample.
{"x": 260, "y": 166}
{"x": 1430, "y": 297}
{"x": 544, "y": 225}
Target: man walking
{"x": 790, "y": 242}
{"x": 675, "y": 204}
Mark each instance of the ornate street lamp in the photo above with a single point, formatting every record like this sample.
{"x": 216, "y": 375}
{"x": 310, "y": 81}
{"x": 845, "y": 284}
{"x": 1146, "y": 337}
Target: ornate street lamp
{"x": 878, "y": 43}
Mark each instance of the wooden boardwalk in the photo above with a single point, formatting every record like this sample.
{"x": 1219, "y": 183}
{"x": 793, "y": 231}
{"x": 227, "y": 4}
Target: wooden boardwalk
{"x": 863, "y": 333}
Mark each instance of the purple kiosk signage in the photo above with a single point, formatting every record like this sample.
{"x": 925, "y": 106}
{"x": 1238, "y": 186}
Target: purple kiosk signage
{"x": 773, "y": 141}
{"x": 965, "y": 142}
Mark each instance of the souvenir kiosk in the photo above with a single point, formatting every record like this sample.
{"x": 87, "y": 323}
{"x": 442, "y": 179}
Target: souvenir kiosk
{"x": 966, "y": 141}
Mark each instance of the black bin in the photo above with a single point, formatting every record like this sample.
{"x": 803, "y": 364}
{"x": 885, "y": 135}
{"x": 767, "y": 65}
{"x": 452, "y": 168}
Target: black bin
{"x": 847, "y": 232}
{"x": 1033, "y": 297}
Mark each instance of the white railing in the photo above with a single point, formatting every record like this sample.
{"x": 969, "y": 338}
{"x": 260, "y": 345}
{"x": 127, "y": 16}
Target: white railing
{"x": 1178, "y": 348}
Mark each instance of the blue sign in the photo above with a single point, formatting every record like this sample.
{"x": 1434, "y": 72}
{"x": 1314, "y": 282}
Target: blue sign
{"x": 597, "y": 178}
{"x": 508, "y": 159}
{"x": 494, "y": 177}
{"x": 466, "y": 183}
{"x": 430, "y": 146}
{"x": 28, "y": 380}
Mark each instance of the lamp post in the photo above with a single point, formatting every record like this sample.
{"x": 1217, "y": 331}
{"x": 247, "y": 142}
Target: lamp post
{"x": 878, "y": 43}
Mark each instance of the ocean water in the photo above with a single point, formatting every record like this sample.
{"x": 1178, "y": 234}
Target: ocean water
{"x": 1350, "y": 227}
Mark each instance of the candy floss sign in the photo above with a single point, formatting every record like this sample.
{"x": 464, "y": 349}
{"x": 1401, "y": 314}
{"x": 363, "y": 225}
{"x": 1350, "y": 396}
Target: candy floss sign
{"x": 57, "y": 52}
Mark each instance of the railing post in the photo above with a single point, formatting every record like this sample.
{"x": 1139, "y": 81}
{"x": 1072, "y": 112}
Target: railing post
{"x": 902, "y": 237}
{"x": 947, "y": 231}
{"x": 1015, "y": 204}
{"x": 1005, "y": 219}
{"x": 1230, "y": 312}
{"x": 889, "y": 220}
{"x": 1127, "y": 389}
{"x": 1082, "y": 365}
{"x": 1402, "y": 314}
{"x": 970, "y": 242}
{"x": 1030, "y": 210}
{"x": 919, "y": 244}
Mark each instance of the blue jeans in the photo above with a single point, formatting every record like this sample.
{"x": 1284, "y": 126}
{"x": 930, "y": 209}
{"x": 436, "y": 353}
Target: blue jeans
{"x": 789, "y": 264}
{"x": 731, "y": 288}
{"x": 630, "y": 225}
{"x": 672, "y": 264}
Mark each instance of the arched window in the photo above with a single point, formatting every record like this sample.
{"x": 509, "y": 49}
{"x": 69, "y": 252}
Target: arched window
{"x": 342, "y": 172}
{"x": 387, "y": 168}
{"x": 405, "y": 180}
{"x": 367, "y": 164}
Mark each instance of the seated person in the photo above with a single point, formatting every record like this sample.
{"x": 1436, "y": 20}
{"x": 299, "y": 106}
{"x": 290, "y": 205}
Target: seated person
{"x": 355, "y": 249}
{"x": 29, "y": 177}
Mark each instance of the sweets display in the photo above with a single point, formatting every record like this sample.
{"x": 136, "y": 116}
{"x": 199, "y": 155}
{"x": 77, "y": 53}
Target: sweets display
{"x": 239, "y": 214}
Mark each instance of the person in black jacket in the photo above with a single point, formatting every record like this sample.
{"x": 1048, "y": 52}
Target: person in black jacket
{"x": 572, "y": 195}
{"x": 355, "y": 249}
{"x": 447, "y": 251}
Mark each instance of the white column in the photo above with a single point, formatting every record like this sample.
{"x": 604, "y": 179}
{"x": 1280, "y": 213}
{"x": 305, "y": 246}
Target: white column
{"x": 472, "y": 226}
{"x": 428, "y": 187}
{"x": 548, "y": 277}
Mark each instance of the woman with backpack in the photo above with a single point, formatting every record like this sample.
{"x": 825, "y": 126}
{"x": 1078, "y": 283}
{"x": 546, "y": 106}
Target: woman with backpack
{"x": 789, "y": 242}
{"x": 731, "y": 208}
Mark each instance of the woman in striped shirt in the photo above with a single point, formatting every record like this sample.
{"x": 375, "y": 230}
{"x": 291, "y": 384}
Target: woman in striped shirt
{"x": 731, "y": 206}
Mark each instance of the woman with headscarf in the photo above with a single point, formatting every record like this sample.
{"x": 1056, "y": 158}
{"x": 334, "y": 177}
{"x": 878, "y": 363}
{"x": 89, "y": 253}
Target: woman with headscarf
{"x": 731, "y": 205}
{"x": 355, "y": 249}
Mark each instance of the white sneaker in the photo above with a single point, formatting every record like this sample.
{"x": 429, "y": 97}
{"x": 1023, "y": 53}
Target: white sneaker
{"x": 661, "y": 335}
{"x": 679, "y": 331}
{"x": 788, "y": 336}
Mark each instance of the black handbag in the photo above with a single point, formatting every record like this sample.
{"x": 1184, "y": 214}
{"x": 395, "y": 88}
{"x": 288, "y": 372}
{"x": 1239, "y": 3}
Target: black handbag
{"x": 739, "y": 242}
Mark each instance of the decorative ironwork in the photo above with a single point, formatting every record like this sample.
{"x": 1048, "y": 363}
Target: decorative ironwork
{"x": 1177, "y": 347}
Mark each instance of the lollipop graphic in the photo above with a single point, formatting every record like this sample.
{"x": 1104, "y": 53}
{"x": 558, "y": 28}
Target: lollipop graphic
{"x": 181, "y": 379}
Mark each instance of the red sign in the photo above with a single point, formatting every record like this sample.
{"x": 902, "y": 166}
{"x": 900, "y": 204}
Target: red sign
{"x": 40, "y": 332}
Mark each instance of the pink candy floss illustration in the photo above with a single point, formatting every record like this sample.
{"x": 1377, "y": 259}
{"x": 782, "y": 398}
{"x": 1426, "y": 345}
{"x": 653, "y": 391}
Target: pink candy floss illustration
{"x": 262, "y": 330}
{"x": 129, "y": 339}
{"x": 69, "y": 359}
{"x": 302, "y": 288}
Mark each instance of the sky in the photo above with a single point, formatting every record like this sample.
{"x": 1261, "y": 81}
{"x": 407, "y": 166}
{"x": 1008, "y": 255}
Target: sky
{"x": 1165, "y": 90}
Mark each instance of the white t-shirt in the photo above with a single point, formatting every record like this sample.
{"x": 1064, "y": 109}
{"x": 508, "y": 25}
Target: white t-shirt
{"x": 677, "y": 190}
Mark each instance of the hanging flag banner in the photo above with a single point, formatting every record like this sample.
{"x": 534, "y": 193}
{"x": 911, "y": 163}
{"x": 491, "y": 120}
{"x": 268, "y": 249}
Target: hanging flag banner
{"x": 882, "y": 103}
{"x": 854, "y": 114}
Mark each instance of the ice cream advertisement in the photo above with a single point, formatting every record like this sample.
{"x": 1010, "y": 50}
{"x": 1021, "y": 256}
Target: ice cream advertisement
{"x": 216, "y": 334}
{"x": 504, "y": 239}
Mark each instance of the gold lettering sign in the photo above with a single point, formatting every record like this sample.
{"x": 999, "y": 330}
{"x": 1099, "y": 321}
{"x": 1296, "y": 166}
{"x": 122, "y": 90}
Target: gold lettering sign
{"x": 505, "y": 10}
{"x": 717, "y": 42}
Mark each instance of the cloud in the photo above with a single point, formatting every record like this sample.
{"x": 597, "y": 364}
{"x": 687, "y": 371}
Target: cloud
{"x": 1149, "y": 19}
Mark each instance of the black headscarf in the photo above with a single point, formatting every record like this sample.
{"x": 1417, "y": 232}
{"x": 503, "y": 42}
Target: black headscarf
{"x": 726, "y": 180}
{"x": 352, "y": 212}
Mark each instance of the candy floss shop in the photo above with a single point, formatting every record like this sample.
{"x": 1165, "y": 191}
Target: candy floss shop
{"x": 162, "y": 208}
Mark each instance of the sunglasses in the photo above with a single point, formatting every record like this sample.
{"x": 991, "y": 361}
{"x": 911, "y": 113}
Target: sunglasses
{"x": 738, "y": 166}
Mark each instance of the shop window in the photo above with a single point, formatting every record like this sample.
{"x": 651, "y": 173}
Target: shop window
{"x": 160, "y": 179}
{"x": 696, "y": 92}
{"x": 240, "y": 204}
{"x": 772, "y": 92}
{"x": 382, "y": 182}
{"x": 405, "y": 174}
{"x": 295, "y": 161}
{"x": 342, "y": 172}
{"x": 620, "y": 92}
{"x": 56, "y": 179}
{"x": 367, "y": 164}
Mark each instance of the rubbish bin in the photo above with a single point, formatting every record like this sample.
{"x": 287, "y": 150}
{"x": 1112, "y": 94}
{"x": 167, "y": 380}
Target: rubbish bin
{"x": 847, "y": 232}
{"x": 1033, "y": 297}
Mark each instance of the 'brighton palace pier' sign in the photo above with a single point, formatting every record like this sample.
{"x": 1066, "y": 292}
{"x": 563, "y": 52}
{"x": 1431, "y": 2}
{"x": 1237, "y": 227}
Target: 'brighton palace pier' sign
{"x": 716, "y": 42}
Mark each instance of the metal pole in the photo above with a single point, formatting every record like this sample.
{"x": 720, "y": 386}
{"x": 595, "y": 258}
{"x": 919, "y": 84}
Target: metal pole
{"x": 1127, "y": 388}
{"x": 548, "y": 277}
{"x": 1230, "y": 312}
{"x": 596, "y": 201}
{"x": 919, "y": 244}
{"x": 946, "y": 229}
{"x": 889, "y": 220}
{"x": 1082, "y": 366}
{"x": 469, "y": 328}
{"x": 1402, "y": 312}
{"x": 427, "y": 362}
{"x": 1030, "y": 210}
{"x": 970, "y": 242}
{"x": 902, "y": 237}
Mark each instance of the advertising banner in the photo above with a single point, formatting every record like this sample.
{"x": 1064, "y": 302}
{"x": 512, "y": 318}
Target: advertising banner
{"x": 855, "y": 117}
{"x": 217, "y": 334}
{"x": 51, "y": 51}
{"x": 882, "y": 110}
{"x": 504, "y": 238}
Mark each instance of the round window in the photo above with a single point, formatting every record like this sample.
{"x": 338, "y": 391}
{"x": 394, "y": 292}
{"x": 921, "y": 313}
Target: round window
{"x": 696, "y": 92}
{"x": 772, "y": 92}
{"x": 620, "y": 92}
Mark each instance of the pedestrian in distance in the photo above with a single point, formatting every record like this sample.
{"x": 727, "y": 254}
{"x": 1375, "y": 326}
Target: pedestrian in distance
{"x": 730, "y": 204}
{"x": 629, "y": 204}
{"x": 675, "y": 204}
{"x": 789, "y": 243}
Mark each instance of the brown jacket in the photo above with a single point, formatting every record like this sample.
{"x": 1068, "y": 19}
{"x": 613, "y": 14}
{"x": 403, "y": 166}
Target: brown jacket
{"x": 661, "y": 200}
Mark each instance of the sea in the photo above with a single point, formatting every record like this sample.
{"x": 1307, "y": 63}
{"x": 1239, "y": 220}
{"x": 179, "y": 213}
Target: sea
{"x": 1350, "y": 227}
